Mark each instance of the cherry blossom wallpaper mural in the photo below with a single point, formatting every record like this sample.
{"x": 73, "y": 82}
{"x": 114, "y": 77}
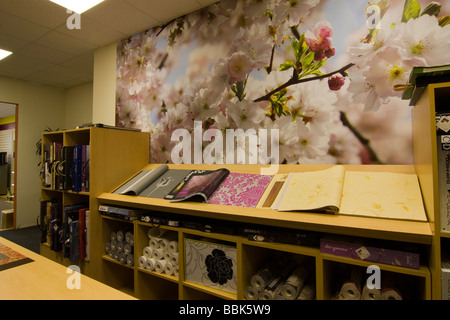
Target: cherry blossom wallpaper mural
{"x": 322, "y": 72}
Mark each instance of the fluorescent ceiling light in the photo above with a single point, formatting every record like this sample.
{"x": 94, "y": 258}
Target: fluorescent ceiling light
{"x": 78, "y": 6}
{"x": 4, "y": 54}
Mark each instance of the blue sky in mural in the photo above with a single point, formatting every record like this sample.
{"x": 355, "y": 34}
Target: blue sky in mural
{"x": 345, "y": 16}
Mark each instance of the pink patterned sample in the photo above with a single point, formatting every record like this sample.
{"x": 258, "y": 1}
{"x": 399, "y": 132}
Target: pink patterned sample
{"x": 240, "y": 189}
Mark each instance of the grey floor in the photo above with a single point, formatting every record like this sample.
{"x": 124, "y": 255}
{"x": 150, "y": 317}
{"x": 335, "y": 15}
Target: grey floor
{"x": 25, "y": 237}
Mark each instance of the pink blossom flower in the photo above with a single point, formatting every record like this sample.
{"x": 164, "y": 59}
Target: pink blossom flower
{"x": 319, "y": 40}
{"x": 336, "y": 82}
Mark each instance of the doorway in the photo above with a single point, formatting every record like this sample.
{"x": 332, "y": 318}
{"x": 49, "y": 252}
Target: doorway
{"x": 8, "y": 164}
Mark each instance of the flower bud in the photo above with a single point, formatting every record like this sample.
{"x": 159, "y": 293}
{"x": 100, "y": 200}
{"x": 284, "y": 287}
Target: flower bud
{"x": 336, "y": 82}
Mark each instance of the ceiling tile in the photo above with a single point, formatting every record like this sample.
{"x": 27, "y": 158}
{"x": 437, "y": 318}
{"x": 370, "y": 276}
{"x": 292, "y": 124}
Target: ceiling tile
{"x": 23, "y": 65}
{"x": 92, "y": 32}
{"x": 66, "y": 43}
{"x": 11, "y": 43}
{"x": 165, "y": 10}
{"x": 20, "y": 28}
{"x": 36, "y": 51}
{"x": 205, "y": 3}
{"x": 46, "y": 51}
{"x": 81, "y": 63}
{"x": 121, "y": 16}
{"x": 42, "y": 12}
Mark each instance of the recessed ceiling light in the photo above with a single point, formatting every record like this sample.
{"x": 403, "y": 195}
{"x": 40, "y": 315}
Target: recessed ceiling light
{"x": 4, "y": 54}
{"x": 78, "y": 6}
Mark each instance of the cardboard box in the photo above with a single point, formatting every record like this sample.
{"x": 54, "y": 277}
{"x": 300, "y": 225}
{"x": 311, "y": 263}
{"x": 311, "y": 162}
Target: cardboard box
{"x": 211, "y": 264}
{"x": 7, "y": 219}
{"x": 378, "y": 251}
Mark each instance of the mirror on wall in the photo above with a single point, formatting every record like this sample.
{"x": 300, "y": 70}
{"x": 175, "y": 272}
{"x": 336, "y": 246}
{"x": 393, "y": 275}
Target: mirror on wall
{"x": 7, "y": 164}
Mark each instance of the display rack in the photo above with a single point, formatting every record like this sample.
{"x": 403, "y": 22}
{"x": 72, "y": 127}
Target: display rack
{"x": 435, "y": 97}
{"x": 109, "y": 149}
{"x": 251, "y": 255}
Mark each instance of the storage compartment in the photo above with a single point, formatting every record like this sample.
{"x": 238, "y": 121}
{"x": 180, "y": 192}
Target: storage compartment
{"x": 351, "y": 282}
{"x": 152, "y": 287}
{"x": 118, "y": 240}
{"x": 277, "y": 275}
{"x": 157, "y": 250}
{"x": 211, "y": 263}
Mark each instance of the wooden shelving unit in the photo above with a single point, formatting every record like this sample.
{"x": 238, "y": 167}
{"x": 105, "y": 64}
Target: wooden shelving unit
{"x": 435, "y": 97}
{"x": 251, "y": 255}
{"x": 109, "y": 149}
{"x": 116, "y": 155}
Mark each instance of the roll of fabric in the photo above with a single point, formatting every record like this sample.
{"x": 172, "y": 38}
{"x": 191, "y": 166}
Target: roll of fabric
{"x": 391, "y": 294}
{"x": 173, "y": 246}
{"x": 148, "y": 252}
{"x": 390, "y": 289}
{"x": 158, "y": 254}
{"x": 176, "y": 271}
{"x": 127, "y": 248}
{"x": 166, "y": 240}
{"x": 308, "y": 292}
{"x": 156, "y": 232}
{"x": 173, "y": 258}
{"x": 130, "y": 260}
{"x": 142, "y": 261}
{"x": 351, "y": 288}
{"x": 116, "y": 255}
{"x": 150, "y": 264}
{"x": 167, "y": 255}
{"x": 169, "y": 269}
{"x": 122, "y": 258}
{"x": 113, "y": 236}
{"x": 119, "y": 246}
{"x": 371, "y": 294}
{"x": 129, "y": 238}
{"x": 160, "y": 265}
{"x": 113, "y": 245}
{"x": 294, "y": 283}
{"x": 111, "y": 254}
{"x": 251, "y": 293}
{"x": 262, "y": 278}
{"x": 272, "y": 289}
{"x": 120, "y": 235}
{"x": 154, "y": 243}
{"x": 108, "y": 246}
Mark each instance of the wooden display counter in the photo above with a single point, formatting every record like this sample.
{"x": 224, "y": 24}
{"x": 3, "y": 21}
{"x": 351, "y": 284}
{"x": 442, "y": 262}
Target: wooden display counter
{"x": 43, "y": 279}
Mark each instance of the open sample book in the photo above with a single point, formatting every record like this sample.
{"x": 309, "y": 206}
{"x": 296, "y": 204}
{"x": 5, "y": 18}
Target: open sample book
{"x": 173, "y": 184}
{"x": 337, "y": 191}
{"x": 212, "y": 186}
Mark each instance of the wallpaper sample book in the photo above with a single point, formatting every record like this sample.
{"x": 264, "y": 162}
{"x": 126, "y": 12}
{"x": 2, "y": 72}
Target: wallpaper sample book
{"x": 359, "y": 193}
{"x": 241, "y": 189}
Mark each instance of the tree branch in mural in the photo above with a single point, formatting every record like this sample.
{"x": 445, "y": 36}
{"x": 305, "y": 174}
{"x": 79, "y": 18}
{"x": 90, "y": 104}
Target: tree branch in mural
{"x": 364, "y": 141}
{"x": 296, "y": 80}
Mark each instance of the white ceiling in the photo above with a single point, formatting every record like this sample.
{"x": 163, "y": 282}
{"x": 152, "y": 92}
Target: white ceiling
{"x": 46, "y": 51}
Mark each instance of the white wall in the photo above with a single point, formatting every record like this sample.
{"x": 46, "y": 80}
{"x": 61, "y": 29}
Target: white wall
{"x": 78, "y": 105}
{"x": 39, "y": 107}
{"x": 104, "y": 105}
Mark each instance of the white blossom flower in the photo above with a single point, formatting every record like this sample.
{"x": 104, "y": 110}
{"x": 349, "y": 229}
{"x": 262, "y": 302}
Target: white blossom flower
{"x": 423, "y": 40}
{"x": 128, "y": 112}
{"x": 239, "y": 66}
{"x": 388, "y": 69}
{"x": 245, "y": 114}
